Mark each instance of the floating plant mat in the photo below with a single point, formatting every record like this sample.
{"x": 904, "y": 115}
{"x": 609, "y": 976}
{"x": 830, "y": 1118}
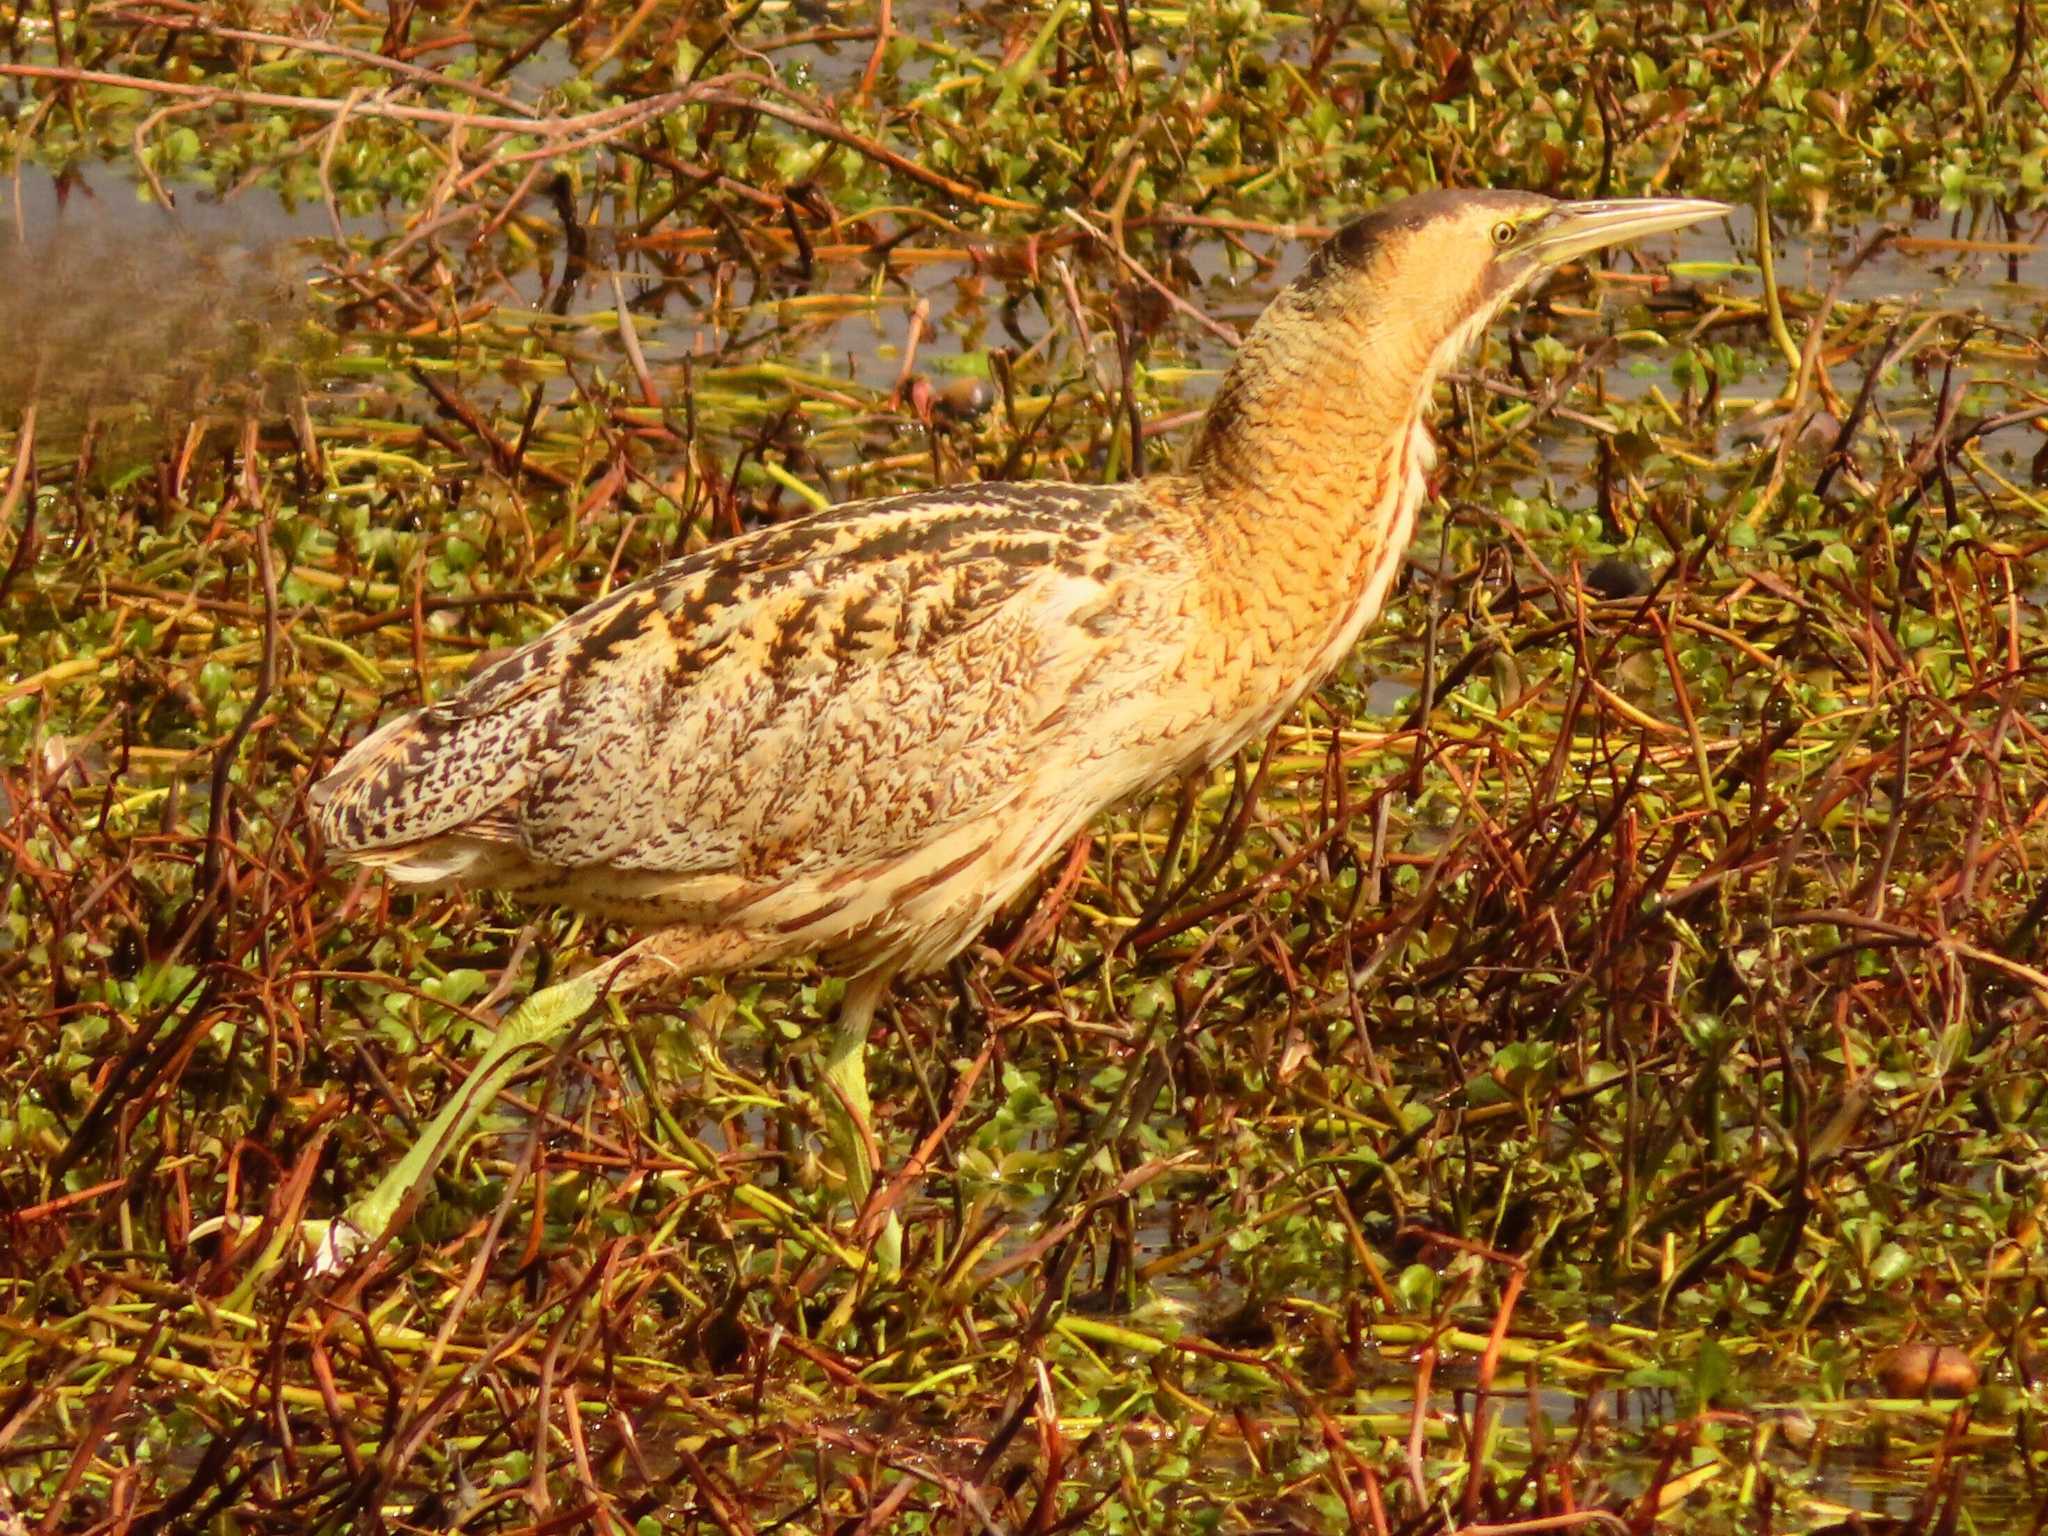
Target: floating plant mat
{"x": 1597, "y": 1078}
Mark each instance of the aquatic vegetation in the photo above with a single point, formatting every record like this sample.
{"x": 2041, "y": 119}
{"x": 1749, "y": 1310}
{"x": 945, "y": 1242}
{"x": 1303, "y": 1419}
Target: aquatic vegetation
{"x": 1562, "y": 1073}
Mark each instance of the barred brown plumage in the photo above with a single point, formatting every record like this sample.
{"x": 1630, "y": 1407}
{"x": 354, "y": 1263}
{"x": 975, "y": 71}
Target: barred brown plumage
{"x": 860, "y": 733}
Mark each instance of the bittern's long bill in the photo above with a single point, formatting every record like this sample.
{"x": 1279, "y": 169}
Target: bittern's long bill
{"x": 860, "y": 733}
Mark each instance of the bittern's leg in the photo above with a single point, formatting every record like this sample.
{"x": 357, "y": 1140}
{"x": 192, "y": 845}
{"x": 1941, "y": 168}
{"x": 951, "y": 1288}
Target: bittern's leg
{"x": 535, "y": 1026}
{"x": 849, "y": 1115}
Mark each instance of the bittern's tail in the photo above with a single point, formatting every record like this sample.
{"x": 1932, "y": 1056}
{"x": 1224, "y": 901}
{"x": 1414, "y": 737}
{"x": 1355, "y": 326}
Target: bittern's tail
{"x": 431, "y": 796}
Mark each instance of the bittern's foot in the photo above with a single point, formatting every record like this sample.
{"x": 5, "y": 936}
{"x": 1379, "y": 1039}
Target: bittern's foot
{"x": 227, "y": 1230}
{"x": 330, "y": 1245}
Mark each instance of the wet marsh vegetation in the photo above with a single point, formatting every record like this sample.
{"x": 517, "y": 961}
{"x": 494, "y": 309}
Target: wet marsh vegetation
{"x": 1587, "y": 1068}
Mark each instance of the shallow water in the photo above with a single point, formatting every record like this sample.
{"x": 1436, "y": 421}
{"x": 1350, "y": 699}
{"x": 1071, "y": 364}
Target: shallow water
{"x": 122, "y": 290}
{"x": 86, "y": 246}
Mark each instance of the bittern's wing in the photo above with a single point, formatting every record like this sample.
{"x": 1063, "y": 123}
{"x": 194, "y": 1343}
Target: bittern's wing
{"x": 802, "y": 699}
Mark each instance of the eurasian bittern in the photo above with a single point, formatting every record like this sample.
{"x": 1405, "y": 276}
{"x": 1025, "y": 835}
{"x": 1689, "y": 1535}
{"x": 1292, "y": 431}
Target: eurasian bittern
{"x": 860, "y": 733}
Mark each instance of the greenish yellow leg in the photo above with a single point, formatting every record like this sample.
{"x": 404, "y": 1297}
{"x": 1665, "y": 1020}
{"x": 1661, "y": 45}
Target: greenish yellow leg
{"x": 849, "y": 1111}
{"x": 536, "y": 1025}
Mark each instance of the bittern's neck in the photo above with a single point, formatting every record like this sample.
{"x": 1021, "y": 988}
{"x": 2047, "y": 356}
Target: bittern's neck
{"x": 1316, "y": 442}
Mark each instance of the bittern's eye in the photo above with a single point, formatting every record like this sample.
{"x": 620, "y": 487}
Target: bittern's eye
{"x": 1503, "y": 232}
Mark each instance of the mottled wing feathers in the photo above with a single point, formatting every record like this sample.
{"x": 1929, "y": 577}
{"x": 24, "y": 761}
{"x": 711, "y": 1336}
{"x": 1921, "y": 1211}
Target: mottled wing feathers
{"x": 806, "y": 697}
{"x": 458, "y": 764}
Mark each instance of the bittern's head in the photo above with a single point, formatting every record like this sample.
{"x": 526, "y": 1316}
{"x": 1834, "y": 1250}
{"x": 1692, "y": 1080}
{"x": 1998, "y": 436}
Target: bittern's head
{"x": 1343, "y": 359}
{"x": 1431, "y": 270}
